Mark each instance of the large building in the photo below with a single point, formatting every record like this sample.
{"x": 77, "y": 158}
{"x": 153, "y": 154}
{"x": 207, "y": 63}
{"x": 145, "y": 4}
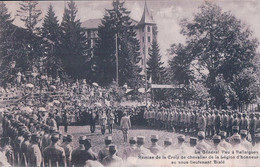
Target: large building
{"x": 145, "y": 30}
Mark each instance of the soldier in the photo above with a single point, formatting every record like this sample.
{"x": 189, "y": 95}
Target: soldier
{"x": 207, "y": 132}
{"x": 237, "y": 142}
{"x": 24, "y": 148}
{"x": 201, "y": 122}
{"x": 110, "y": 121}
{"x": 141, "y": 150}
{"x": 125, "y": 125}
{"x": 244, "y": 142}
{"x": 34, "y": 153}
{"x": 77, "y": 158}
{"x": 103, "y": 122}
{"x": 230, "y": 124}
{"x": 92, "y": 121}
{"x": 68, "y": 149}
{"x": 89, "y": 154}
{"x": 224, "y": 121}
{"x": 112, "y": 160}
{"x": 223, "y": 143}
{"x": 130, "y": 151}
{"x": 252, "y": 127}
{"x": 211, "y": 124}
{"x": 8, "y": 151}
{"x": 155, "y": 148}
{"x": 202, "y": 145}
{"x": 152, "y": 118}
{"x": 217, "y": 122}
{"x": 54, "y": 154}
{"x": 244, "y": 122}
{"x": 167, "y": 146}
{"x": 235, "y": 130}
{"x": 104, "y": 151}
{"x": 257, "y": 121}
{"x": 65, "y": 121}
{"x": 216, "y": 141}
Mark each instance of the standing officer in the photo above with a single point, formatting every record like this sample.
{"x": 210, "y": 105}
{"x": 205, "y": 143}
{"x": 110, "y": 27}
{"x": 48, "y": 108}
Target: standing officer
{"x": 201, "y": 122}
{"x": 217, "y": 122}
{"x": 65, "y": 121}
{"x": 244, "y": 122}
{"x": 104, "y": 151}
{"x": 252, "y": 127}
{"x": 230, "y": 124}
{"x": 34, "y": 153}
{"x": 110, "y": 121}
{"x": 92, "y": 121}
{"x": 54, "y": 155}
{"x": 224, "y": 121}
{"x": 77, "y": 158}
{"x": 103, "y": 122}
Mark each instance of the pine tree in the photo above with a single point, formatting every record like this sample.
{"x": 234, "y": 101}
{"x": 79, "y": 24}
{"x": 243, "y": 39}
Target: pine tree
{"x": 155, "y": 68}
{"x": 73, "y": 47}
{"x": 51, "y": 34}
{"x": 6, "y": 49}
{"x": 117, "y": 22}
{"x": 29, "y": 14}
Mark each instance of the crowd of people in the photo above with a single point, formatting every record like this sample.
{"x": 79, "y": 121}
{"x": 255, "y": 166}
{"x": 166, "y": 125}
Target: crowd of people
{"x": 30, "y": 142}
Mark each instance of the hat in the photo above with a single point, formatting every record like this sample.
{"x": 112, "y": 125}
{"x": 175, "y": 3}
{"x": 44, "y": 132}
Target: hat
{"x": 154, "y": 137}
{"x": 181, "y": 137}
{"x": 216, "y": 137}
{"x": 201, "y": 134}
{"x": 223, "y": 133}
{"x": 243, "y": 132}
{"x": 82, "y": 138}
{"x": 235, "y": 127}
{"x": 168, "y": 140}
{"x": 108, "y": 138}
{"x": 55, "y": 135}
{"x": 193, "y": 140}
{"x": 132, "y": 138}
{"x": 140, "y": 139}
{"x": 236, "y": 137}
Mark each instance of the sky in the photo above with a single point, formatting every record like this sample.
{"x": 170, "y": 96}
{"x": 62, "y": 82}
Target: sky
{"x": 167, "y": 14}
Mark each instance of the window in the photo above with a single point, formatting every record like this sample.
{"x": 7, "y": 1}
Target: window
{"x": 149, "y": 39}
{"x": 148, "y": 29}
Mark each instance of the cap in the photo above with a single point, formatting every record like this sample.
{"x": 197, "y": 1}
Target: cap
{"x": 243, "y": 132}
{"x": 82, "y": 138}
{"x": 108, "y": 138}
{"x": 181, "y": 137}
{"x": 216, "y": 137}
{"x": 55, "y": 135}
{"x": 223, "y": 133}
{"x": 112, "y": 147}
{"x": 235, "y": 127}
{"x": 193, "y": 140}
{"x": 154, "y": 137}
{"x": 201, "y": 134}
{"x": 132, "y": 138}
{"x": 236, "y": 137}
{"x": 140, "y": 138}
{"x": 168, "y": 140}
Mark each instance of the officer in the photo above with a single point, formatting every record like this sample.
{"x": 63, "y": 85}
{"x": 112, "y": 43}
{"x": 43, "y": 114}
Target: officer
{"x": 244, "y": 142}
{"x": 202, "y": 145}
{"x": 34, "y": 153}
{"x": 237, "y": 142}
{"x": 77, "y": 158}
{"x": 230, "y": 124}
{"x": 167, "y": 146}
{"x": 216, "y": 141}
{"x": 224, "y": 121}
{"x": 112, "y": 160}
{"x": 223, "y": 143}
{"x": 65, "y": 121}
{"x": 155, "y": 148}
{"x": 54, "y": 154}
{"x": 130, "y": 151}
{"x": 141, "y": 150}
{"x": 235, "y": 130}
{"x": 244, "y": 122}
{"x": 110, "y": 121}
{"x": 201, "y": 122}
{"x": 252, "y": 127}
{"x": 68, "y": 149}
{"x": 89, "y": 154}
{"x": 103, "y": 122}
{"x": 217, "y": 122}
{"x": 104, "y": 151}
{"x": 180, "y": 144}
{"x": 92, "y": 121}
{"x": 193, "y": 142}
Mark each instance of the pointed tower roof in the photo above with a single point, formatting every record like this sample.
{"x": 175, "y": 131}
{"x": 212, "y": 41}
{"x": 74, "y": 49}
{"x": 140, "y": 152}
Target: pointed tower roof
{"x": 146, "y": 18}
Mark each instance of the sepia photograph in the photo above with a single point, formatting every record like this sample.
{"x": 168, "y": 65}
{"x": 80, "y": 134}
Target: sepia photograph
{"x": 130, "y": 83}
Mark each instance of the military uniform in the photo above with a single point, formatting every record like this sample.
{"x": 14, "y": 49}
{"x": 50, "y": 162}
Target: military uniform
{"x": 34, "y": 155}
{"x": 155, "y": 148}
{"x": 112, "y": 160}
{"x": 104, "y": 151}
{"x": 68, "y": 149}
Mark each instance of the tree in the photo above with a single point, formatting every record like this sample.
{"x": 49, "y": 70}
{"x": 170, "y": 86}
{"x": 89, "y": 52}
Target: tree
{"x": 73, "y": 46}
{"x": 6, "y": 49}
{"x": 32, "y": 42}
{"x": 117, "y": 22}
{"x": 222, "y": 46}
{"x": 29, "y": 14}
{"x": 51, "y": 34}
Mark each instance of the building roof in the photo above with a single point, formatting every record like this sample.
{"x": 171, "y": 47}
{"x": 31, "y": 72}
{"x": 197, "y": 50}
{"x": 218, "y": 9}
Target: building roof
{"x": 146, "y": 18}
{"x": 91, "y": 23}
